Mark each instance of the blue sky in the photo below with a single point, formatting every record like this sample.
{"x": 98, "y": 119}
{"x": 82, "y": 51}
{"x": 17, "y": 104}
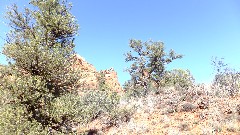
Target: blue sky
{"x": 197, "y": 29}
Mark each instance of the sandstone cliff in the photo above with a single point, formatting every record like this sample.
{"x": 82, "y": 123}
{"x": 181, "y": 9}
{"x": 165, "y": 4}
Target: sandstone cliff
{"x": 91, "y": 79}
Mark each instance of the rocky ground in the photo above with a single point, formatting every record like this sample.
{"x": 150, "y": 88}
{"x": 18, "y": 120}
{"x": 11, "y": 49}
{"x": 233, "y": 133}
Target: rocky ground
{"x": 172, "y": 113}
{"x": 220, "y": 118}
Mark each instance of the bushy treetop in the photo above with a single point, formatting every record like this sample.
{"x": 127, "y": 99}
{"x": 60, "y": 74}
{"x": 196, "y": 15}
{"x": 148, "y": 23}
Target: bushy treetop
{"x": 150, "y": 61}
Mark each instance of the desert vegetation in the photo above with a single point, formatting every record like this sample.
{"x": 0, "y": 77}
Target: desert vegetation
{"x": 39, "y": 88}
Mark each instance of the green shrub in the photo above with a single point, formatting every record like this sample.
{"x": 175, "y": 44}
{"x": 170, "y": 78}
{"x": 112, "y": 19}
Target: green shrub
{"x": 102, "y": 85}
{"x": 14, "y": 120}
{"x": 95, "y": 103}
{"x": 103, "y": 105}
{"x": 65, "y": 109}
{"x": 178, "y": 78}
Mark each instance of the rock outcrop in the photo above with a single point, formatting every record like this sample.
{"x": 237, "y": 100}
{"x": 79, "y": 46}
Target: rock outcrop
{"x": 91, "y": 79}
{"x": 111, "y": 79}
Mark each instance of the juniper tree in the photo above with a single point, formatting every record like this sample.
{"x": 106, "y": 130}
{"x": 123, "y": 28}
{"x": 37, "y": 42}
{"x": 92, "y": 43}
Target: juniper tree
{"x": 40, "y": 50}
{"x": 149, "y": 61}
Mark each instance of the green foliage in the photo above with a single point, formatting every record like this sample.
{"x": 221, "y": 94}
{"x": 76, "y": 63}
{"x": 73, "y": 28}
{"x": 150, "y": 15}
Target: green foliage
{"x": 105, "y": 106}
{"x": 149, "y": 64}
{"x": 178, "y": 78}
{"x": 67, "y": 110}
{"x": 95, "y": 103}
{"x": 181, "y": 80}
{"x": 13, "y": 120}
{"x": 40, "y": 76}
{"x": 70, "y": 110}
{"x": 102, "y": 82}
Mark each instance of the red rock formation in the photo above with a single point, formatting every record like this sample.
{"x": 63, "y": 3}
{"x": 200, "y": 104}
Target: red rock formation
{"x": 111, "y": 79}
{"x": 90, "y": 76}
